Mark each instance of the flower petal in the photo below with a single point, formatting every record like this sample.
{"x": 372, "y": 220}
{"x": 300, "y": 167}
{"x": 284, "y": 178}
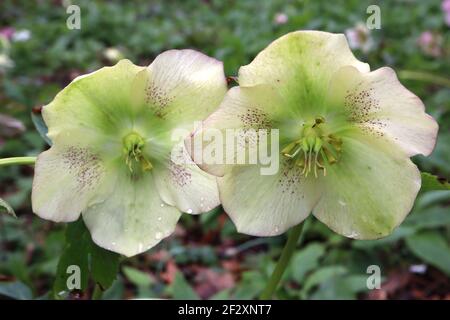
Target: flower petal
{"x": 67, "y": 179}
{"x": 184, "y": 185}
{"x": 133, "y": 218}
{"x": 298, "y": 64}
{"x": 369, "y": 191}
{"x": 98, "y": 102}
{"x": 267, "y": 205}
{"x": 242, "y": 109}
{"x": 382, "y": 106}
{"x": 183, "y": 86}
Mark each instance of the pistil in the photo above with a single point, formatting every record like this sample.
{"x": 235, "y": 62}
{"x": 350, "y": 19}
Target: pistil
{"x": 133, "y": 150}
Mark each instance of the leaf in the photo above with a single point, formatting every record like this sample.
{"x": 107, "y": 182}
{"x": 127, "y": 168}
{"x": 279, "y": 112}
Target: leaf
{"x": 429, "y": 218}
{"x": 320, "y": 276}
{"x": 342, "y": 288}
{"x": 306, "y": 260}
{"x": 75, "y": 254}
{"x": 432, "y": 248}
{"x": 431, "y": 182}
{"x": 181, "y": 290}
{"x": 137, "y": 277}
{"x": 251, "y": 285}
{"x": 104, "y": 265}
{"x": 15, "y": 290}
{"x": 80, "y": 251}
{"x": 9, "y": 209}
{"x": 40, "y": 126}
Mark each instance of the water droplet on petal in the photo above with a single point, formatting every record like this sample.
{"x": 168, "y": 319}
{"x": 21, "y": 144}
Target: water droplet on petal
{"x": 140, "y": 247}
{"x": 189, "y": 211}
{"x": 162, "y": 205}
{"x": 159, "y": 218}
{"x": 276, "y": 230}
{"x": 158, "y": 235}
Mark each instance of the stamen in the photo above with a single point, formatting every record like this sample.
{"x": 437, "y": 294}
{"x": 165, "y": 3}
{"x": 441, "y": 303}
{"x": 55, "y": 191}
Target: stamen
{"x": 320, "y": 148}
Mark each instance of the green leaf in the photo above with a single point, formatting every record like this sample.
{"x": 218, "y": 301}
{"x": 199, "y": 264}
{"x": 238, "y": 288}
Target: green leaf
{"x": 342, "y": 288}
{"x": 15, "y": 290}
{"x": 9, "y": 209}
{"x": 429, "y": 218}
{"x": 320, "y": 276}
{"x": 40, "y": 126}
{"x": 181, "y": 290}
{"x": 104, "y": 266}
{"x": 137, "y": 277}
{"x": 251, "y": 285}
{"x": 93, "y": 262}
{"x": 306, "y": 260}
{"x": 432, "y": 248}
{"x": 431, "y": 182}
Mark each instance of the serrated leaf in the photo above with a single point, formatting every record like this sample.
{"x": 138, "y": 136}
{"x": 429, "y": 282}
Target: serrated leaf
{"x": 93, "y": 261}
{"x": 431, "y": 182}
{"x": 7, "y": 207}
{"x": 432, "y": 248}
{"x": 40, "y": 126}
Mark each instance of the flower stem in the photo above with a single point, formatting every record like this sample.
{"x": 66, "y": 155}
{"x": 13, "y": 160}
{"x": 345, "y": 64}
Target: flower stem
{"x": 295, "y": 236}
{"x": 424, "y": 76}
{"x": 98, "y": 292}
{"x": 17, "y": 160}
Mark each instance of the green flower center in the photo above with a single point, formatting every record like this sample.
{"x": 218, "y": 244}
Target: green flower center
{"x": 315, "y": 149}
{"x": 133, "y": 150}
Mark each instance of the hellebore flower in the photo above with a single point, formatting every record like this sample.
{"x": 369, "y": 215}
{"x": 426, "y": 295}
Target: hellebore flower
{"x": 345, "y": 135}
{"x": 111, "y": 157}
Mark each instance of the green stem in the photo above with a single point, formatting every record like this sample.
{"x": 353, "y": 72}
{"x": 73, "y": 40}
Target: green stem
{"x": 295, "y": 237}
{"x": 98, "y": 292}
{"x": 17, "y": 160}
{"x": 424, "y": 76}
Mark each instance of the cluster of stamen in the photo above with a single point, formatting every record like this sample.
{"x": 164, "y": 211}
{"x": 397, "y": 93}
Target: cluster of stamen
{"x": 133, "y": 146}
{"x": 315, "y": 149}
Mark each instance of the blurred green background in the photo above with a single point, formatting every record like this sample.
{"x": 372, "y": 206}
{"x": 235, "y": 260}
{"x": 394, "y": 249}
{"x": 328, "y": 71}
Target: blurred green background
{"x": 206, "y": 258}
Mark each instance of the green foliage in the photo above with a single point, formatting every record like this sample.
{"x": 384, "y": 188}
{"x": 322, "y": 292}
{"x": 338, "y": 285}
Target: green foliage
{"x": 431, "y": 182}
{"x": 40, "y": 126}
{"x": 9, "y": 210}
{"x": 432, "y": 248}
{"x": 15, "y": 290}
{"x": 181, "y": 289}
{"x": 306, "y": 260}
{"x": 80, "y": 251}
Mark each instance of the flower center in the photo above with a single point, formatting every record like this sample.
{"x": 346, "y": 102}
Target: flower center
{"x": 315, "y": 149}
{"x": 133, "y": 146}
